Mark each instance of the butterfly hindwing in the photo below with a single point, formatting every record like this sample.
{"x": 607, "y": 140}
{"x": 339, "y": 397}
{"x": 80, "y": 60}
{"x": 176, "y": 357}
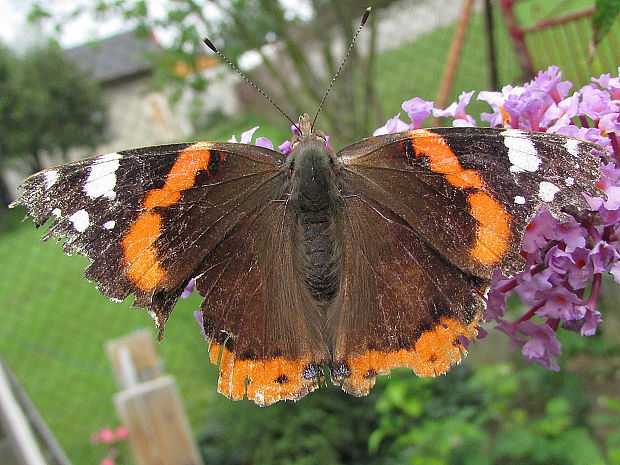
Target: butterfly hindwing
{"x": 258, "y": 313}
{"x": 401, "y": 303}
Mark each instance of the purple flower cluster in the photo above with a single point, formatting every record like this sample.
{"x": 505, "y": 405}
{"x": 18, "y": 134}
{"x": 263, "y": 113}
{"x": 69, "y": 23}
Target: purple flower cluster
{"x": 565, "y": 260}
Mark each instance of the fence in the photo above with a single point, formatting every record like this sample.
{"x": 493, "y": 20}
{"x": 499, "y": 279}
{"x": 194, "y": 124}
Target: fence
{"x": 562, "y": 40}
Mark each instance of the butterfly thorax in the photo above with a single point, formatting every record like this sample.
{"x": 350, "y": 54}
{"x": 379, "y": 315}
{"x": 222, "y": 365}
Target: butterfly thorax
{"x": 315, "y": 200}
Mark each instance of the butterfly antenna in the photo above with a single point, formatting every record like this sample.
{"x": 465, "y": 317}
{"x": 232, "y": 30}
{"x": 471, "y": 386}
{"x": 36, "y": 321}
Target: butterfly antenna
{"x": 209, "y": 44}
{"x": 344, "y": 60}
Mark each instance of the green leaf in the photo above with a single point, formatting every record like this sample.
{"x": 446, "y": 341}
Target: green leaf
{"x": 605, "y": 14}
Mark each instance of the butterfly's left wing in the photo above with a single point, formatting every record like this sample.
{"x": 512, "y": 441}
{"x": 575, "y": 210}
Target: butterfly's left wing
{"x": 146, "y": 218}
{"x": 428, "y": 215}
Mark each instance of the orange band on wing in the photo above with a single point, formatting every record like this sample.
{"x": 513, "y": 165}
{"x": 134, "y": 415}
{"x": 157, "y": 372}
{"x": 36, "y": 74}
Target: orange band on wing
{"x": 263, "y": 381}
{"x": 432, "y": 355}
{"x": 140, "y": 252}
{"x": 493, "y": 233}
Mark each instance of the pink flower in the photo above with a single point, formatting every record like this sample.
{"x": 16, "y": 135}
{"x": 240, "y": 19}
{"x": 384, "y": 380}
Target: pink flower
{"x": 264, "y": 142}
{"x": 456, "y": 110}
{"x": 285, "y": 147}
{"x": 246, "y": 136}
{"x": 392, "y": 126}
{"x": 609, "y": 83}
{"x": 418, "y": 110}
{"x": 107, "y": 435}
{"x": 542, "y": 346}
{"x": 121, "y": 433}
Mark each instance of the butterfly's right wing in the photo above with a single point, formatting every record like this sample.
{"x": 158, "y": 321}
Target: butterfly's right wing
{"x": 147, "y": 217}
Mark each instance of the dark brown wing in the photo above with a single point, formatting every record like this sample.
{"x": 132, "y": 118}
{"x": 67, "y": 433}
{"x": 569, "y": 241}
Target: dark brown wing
{"x": 258, "y": 313}
{"x": 146, "y": 218}
{"x": 401, "y": 304}
{"x": 429, "y": 214}
{"x": 471, "y": 191}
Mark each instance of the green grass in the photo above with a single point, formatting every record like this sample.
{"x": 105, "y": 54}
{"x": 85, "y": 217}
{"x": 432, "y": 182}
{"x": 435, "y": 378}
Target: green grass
{"x": 54, "y": 326}
{"x": 54, "y": 323}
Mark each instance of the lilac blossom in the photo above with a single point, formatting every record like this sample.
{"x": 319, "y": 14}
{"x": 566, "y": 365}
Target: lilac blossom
{"x": 418, "y": 110}
{"x": 542, "y": 346}
{"x": 456, "y": 110}
{"x": 564, "y": 257}
{"x": 391, "y": 126}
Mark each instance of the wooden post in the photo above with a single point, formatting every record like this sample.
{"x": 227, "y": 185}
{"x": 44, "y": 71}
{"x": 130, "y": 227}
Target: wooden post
{"x": 134, "y": 358}
{"x": 149, "y": 404}
{"x": 453, "y": 57}
{"x": 159, "y": 432}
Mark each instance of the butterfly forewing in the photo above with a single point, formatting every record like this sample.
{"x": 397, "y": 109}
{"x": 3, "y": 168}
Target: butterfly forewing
{"x": 470, "y": 192}
{"x": 147, "y": 217}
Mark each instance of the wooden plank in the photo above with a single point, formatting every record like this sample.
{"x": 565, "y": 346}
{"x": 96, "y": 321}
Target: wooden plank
{"x": 134, "y": 358}
{"x": 16, "y": 425}
{"x": 159, "y": 432}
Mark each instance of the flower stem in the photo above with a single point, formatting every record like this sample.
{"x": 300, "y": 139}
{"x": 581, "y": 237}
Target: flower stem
{"x": 584, "y": 121}
{"x": 597, "y": 281}
{"x": 530, "y": 313}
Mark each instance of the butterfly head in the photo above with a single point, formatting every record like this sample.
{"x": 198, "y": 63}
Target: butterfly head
{"x": 307, "y": 132}
{"x": 312, "y": 164}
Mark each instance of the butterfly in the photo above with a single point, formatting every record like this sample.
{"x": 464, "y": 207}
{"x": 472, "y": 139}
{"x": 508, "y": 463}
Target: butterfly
{"x": 320, "y": 263}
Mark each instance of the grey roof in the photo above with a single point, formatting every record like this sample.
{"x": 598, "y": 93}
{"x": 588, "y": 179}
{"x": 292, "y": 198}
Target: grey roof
{"x": 116, "y": 57}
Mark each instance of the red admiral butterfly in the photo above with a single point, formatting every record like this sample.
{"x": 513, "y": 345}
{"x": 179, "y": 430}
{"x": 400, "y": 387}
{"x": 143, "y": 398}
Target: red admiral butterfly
{"x": 363, "y": 260}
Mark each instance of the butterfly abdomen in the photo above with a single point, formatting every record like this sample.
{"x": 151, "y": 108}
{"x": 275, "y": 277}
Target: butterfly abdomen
{"x": 314, "y": 199}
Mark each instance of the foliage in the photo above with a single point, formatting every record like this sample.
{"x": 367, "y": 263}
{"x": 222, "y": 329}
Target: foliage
{"x": 605, "y": 14}
{"x": 503, "y": 414}
{"x": 497, "y": 415}
{"x": 327, "y": 427}
{"x": 8, "y": 64}
{"x": 49, "y": 105}
{"x": 59, "y": 106}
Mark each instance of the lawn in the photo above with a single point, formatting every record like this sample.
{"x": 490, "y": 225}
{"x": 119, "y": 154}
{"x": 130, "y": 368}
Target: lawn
{"x": 55, "y": 324}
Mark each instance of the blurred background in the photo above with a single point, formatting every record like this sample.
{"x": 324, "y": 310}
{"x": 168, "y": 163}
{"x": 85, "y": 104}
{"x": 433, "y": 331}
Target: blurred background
{"x": 83, "y": 78}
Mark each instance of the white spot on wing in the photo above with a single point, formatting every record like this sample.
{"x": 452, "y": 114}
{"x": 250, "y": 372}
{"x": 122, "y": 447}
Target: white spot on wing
{"x": 56, "y": 212}
{"x": 109, "y": 224}
{"x": 80, "y": 220}
{"x": 572, "y": 147}
{"x": 521, "y": 151}
{"x": 101, "y": 179}
{"x": 547, "y": 191}
{"x": 569, "y": 181}
{"x": 51, "y": 176}
{"x": 519, "y": 199}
